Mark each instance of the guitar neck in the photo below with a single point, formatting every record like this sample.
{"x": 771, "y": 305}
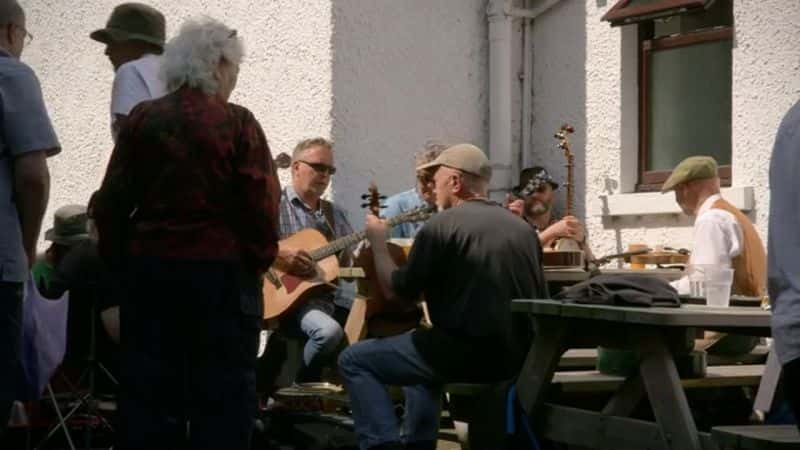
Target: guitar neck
{"x": 342, "y": 243}
{"x": 570, "y": 185}
{"x": 337, "y": 245}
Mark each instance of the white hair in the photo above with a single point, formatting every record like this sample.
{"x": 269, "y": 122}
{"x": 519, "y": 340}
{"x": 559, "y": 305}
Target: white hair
{"x": 192, "y": 57}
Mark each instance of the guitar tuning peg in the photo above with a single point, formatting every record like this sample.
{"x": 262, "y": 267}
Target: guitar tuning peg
{"x": 365, "y": 205}
{"x": 382, "y": 197}
{"x": 364, "y": 196}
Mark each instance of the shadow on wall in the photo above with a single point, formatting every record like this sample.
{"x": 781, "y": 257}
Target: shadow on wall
{"x": 559, "y": 95}
{"x": 403, "y": 73}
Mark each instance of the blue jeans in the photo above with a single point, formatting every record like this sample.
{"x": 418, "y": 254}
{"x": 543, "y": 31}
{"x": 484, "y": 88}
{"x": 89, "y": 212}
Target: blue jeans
{"x": 324, "y": 333}
{"x": 367, "y": 367}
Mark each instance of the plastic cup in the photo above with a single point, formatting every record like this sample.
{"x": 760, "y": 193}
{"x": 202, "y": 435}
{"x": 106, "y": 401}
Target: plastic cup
{"x": 633, "y": 248}
{"x": 718, "y": 286}
{"x": 713, "y": 282}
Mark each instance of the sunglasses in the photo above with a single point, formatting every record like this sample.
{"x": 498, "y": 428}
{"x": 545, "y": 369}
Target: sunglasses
{"x": 319, "y": 167}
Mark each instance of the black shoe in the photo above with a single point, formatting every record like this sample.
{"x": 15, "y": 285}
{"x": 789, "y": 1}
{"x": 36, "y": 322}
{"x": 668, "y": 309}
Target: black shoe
{"x": 421, "y": 445}
{"x": 388, "y": 446}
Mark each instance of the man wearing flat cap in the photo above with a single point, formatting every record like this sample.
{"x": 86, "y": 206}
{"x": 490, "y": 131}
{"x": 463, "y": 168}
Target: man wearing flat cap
{"x": 723, "y": 236}
{"x": 134, "y": 38}
{"x": 469, "y": 261}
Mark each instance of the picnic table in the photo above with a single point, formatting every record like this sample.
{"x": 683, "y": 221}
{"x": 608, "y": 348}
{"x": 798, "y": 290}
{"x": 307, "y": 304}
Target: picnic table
{"x": 658, "y": 334}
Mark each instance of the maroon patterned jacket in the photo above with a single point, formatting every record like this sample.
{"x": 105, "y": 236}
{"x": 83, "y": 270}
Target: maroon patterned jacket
{"x": 191, "y": 178}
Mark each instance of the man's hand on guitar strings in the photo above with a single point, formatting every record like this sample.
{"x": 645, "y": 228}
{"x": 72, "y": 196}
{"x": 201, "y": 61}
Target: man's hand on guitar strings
{"x": 299, "y": 262}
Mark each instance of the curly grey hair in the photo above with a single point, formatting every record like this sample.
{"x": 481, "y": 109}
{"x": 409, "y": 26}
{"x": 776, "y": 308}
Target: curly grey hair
{"x": 192, "y": 57}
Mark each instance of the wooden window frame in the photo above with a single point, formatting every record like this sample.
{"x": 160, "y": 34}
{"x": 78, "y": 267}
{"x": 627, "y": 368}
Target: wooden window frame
{"x": 621, "y": 14}
{"x": 651, "y": 180}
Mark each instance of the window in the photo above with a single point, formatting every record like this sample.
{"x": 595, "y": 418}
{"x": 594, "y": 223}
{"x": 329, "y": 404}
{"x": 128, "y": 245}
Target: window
{"x": 685, "y": 84}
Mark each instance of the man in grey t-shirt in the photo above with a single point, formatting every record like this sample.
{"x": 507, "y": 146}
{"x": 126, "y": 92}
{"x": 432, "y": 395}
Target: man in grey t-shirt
{"x": 26, "y": 140}
{"x": 470, "y": 260}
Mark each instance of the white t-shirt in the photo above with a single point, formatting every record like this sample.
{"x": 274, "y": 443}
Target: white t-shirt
{"x": 717, "y": 239}
{"x": 134, "y": 82}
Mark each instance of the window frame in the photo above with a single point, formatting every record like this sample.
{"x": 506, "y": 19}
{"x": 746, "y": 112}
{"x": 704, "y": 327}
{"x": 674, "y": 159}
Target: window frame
{"x": 651, "y": 180}
{"x": 622, "y": 14}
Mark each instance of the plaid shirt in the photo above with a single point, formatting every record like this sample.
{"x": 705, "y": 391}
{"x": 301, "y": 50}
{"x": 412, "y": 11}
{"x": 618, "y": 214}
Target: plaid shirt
{"x": 296, "y": 216}
{"x": 199, "y": 177}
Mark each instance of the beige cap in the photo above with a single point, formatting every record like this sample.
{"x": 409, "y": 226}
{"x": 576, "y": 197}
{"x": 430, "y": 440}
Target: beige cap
{"x": 690, "y": 169}
{"x": 464, "y": 157}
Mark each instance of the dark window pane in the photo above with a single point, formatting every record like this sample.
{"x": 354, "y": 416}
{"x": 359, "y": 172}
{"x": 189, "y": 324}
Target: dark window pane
{"x": 689, "y": 104}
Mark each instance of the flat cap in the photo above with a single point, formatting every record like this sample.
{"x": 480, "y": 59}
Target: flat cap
{"x": 690, "y": 169}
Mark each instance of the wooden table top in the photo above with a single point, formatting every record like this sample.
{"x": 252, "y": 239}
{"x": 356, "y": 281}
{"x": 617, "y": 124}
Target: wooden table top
{"x": 685, "y": 316}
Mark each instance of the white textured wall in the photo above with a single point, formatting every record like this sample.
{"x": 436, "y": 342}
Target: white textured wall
{"x": 403, "y": 72}
{"x": 285, "y": 79}
{"x": 585, "y": 72}
{"x": 379, "y": 76}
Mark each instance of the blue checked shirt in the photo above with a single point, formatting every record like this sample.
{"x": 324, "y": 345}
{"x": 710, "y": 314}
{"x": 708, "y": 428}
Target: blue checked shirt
{"x": 296, "y": 216}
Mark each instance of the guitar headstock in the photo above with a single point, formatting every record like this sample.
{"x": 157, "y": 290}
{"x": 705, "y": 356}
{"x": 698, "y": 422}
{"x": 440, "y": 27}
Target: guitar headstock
{"x": 563, "y": 140}
{"x": 283, "y": 161}
{"x": 374, "y": 199}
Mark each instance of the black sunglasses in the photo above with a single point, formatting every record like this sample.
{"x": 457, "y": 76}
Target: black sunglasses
{"x": 319, "y": 167}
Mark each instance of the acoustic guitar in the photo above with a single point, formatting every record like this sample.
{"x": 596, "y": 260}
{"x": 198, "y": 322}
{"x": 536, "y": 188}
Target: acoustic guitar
{"x": 283, "y": 290}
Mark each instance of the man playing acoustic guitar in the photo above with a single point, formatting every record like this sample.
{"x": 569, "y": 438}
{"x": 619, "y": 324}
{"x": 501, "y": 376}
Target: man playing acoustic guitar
{"x": 302, "y": 207}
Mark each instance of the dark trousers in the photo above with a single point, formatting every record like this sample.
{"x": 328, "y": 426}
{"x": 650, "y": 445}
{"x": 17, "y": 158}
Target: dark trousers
{"x": 189, "y": 338}
{"x": 10, "y": 346}
{"x": 791, "y": 386}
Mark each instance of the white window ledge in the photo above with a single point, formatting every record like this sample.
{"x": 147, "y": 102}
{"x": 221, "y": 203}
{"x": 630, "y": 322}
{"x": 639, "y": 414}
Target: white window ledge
{"x": 649, "y": 203}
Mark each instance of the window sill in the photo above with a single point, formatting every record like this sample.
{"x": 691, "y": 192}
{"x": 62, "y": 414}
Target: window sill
{"x": 653, "y": 203}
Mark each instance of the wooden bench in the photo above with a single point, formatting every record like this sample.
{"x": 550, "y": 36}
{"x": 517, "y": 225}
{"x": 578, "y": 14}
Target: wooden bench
{"x": 757, "y": 437}
{"x": 594, "y": 381}
{"x": 586, "y": 358}
{"x": 716, "y": 376}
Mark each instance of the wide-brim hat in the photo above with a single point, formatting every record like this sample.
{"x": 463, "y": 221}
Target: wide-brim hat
{"x": 133, "y": 22}
{"x": 70, "y": 225}
{"x": 530, "y": 173}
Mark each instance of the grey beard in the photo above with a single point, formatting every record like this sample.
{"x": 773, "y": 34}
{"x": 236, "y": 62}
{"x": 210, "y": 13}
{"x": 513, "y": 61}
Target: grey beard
{"x": 538, "y": 209}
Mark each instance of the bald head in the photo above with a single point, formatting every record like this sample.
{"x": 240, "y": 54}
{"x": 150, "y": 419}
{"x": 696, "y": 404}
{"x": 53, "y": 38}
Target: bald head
{"x": 12, "y": 27}
{"x": 10, "y": 12}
